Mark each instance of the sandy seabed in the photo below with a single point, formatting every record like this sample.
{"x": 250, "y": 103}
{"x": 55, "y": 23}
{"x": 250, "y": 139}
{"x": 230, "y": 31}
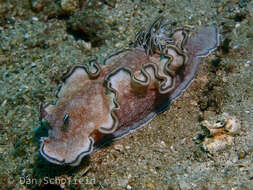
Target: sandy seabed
{"x": 179, "y": 149}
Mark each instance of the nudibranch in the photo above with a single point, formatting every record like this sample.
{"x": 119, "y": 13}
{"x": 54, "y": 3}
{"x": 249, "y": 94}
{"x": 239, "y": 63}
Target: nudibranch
{"x": 97, "y": 104}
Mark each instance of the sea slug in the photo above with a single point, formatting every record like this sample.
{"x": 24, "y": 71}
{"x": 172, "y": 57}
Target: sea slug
{"x": 97, "y": 104}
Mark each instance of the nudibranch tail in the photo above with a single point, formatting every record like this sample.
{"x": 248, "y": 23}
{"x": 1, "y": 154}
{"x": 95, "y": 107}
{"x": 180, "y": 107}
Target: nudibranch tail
{"x": 96, "y": 104}
{"x": 205, "y": 42}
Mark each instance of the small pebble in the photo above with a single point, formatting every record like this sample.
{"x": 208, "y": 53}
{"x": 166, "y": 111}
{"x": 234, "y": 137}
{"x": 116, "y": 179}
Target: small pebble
{"x": 173, "y": 149}
{"x": 2, "y": 150}
{"x": 37, "y": 4}
{"x": 118, "y": 45}
{"x": 4, "y": 103}
{"x": 128, "y": 147}
{"x": 26, "y": 35}
{"x": 220, "y": 9}
{"x": 216, "y": 144}
{"x": 242, "y": 155}
{"x": 69, "y": 5}
{"x": 35, "y": 19}
{"x": 235, "y": 47}
{"x": 183, "y": 141}
{"x": 232, "y": 126}
{"x": 119, "y": 147}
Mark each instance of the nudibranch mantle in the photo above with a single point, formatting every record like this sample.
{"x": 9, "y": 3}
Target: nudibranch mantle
{"x": 98, "y": 104}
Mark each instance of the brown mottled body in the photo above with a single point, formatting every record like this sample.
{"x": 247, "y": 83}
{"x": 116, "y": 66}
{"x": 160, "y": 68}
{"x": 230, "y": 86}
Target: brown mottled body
{"x": 100, "y": 104}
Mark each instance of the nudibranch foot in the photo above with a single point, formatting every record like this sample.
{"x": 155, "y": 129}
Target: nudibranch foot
{"x": 97, "y": 103}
